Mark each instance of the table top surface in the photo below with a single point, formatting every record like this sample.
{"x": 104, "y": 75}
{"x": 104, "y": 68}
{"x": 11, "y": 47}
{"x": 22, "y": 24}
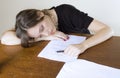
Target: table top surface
{"x": 18, "y": 62}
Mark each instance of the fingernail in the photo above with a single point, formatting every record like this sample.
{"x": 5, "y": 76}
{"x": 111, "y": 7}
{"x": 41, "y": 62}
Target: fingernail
{"x": 67, "y": 37}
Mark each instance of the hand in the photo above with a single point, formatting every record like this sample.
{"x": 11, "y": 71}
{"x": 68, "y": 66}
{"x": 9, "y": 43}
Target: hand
{"x": 58, "y": 36}
{"x": 75, "y": 49}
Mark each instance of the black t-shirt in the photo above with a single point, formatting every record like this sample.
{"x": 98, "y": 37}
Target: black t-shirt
{"x": 72, "y": 20}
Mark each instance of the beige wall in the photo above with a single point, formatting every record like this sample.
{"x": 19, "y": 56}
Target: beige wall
{"x": 107, "y": 11}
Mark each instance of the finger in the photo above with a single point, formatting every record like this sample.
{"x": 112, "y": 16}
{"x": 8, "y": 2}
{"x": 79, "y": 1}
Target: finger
{"x": 52, "y": 37}
{"x": 72, "y": 51}
{"x": 61, "y": 35}
{"x": 75, "y": 54}
{"x": 68, "y": 51}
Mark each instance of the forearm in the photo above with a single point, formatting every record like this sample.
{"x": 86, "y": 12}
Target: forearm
{"x": 57, "y": 36}
{"x": 99, "y": 37}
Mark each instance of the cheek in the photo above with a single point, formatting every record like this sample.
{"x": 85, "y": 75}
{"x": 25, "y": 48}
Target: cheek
{"x": 49, "y": 27}
{"x": 47, "y": 24}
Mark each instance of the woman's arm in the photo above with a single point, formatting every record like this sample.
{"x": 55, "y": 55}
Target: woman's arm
{"x": 101, "y": 32}
{"x": 9, "y": 38}
{"x": 58, "y": 35}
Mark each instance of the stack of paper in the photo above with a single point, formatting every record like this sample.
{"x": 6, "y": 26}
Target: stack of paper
{"x": 86, "y": 69}
{"x": 50, "y": 51}
{"x": 76, "y": 68}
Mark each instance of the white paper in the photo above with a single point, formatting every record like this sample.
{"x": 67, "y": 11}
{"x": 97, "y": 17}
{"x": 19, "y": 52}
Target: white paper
{"x": 86, "y": 69}
{"x": 50, "y": 51}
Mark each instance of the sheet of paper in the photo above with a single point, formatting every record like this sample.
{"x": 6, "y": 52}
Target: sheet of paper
{"x": 50, "y": 51}
{"x": 86, "y": 69}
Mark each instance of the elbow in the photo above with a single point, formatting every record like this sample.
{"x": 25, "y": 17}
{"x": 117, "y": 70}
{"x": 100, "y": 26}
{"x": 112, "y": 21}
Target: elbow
{"x": 9, "y": 38}
{"x": 109, "y": 32}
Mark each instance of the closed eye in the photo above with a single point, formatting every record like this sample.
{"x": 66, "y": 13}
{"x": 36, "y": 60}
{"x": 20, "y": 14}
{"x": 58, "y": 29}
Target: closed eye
{"x": 41, "y": 28}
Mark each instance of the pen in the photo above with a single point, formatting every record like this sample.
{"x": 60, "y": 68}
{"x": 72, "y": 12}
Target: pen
{"x": 60, "y": 51}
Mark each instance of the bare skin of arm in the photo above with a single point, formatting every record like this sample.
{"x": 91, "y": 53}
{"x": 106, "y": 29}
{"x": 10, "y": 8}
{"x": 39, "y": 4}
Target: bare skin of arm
{"x": 101, "y": 33}
{"x": 9, "y": 37}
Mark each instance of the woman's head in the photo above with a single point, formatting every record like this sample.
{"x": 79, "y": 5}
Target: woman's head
{"x": 33, "y": 23}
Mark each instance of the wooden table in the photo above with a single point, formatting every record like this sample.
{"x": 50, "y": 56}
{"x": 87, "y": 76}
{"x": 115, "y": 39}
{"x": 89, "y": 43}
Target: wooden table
{"x": 18, "y": 62}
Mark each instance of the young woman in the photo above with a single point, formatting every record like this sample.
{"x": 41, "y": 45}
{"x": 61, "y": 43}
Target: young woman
{"x": 34, "y": 25}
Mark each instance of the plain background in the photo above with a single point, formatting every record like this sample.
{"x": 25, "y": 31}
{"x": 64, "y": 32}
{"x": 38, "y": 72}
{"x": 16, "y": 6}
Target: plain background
{"x": 106, "y": 11}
